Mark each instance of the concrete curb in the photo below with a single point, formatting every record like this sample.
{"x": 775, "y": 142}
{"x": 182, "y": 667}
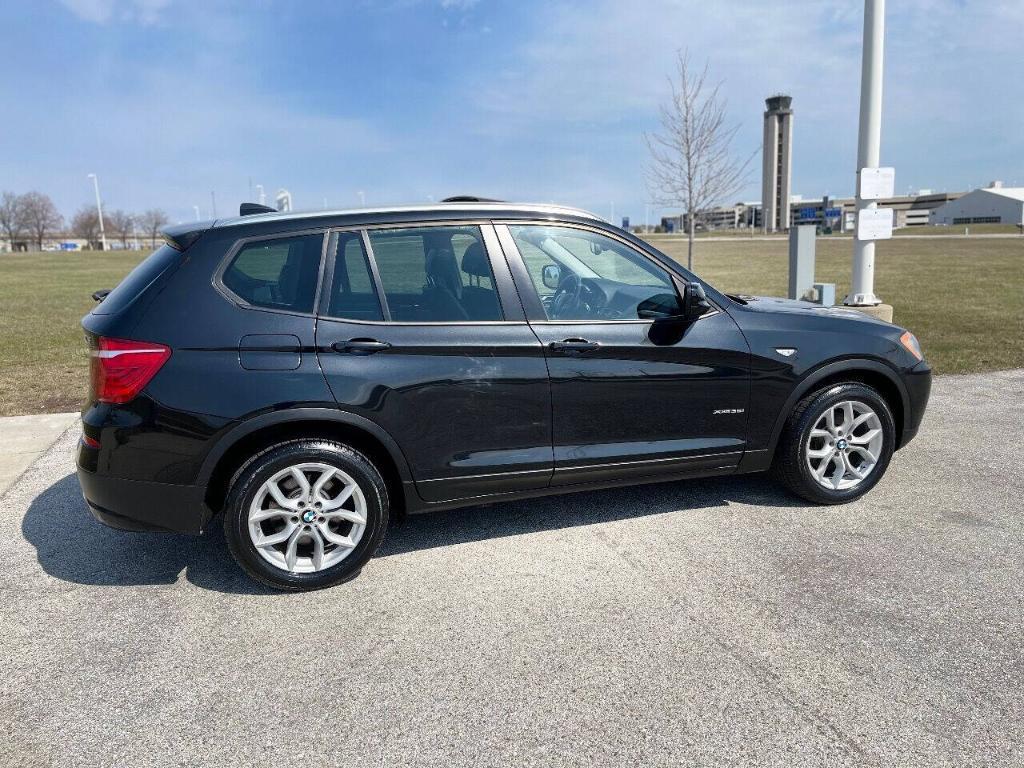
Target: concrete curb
{"x": 25, "y": 439}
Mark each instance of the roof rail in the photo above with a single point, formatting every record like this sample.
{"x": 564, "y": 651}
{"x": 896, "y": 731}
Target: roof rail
{"x": 470, "y": 199}
{"x": 248, "y": 209}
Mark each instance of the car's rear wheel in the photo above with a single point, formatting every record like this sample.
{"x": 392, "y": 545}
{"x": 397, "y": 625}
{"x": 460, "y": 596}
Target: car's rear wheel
{"x": 306, "y": 514}
{"x": 836, "y": 444}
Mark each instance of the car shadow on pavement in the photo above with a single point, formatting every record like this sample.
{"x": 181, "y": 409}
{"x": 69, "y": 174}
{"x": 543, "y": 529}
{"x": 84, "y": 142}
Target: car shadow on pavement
{"x": 493, "y": 521}
{"x": 72, "y": 546}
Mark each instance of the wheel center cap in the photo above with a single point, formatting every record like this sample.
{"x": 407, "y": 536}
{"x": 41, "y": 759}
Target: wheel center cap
{"x": 841, "y": 444}
{"x": 308, "y": 516}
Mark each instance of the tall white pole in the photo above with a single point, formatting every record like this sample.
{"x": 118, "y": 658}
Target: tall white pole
{"x": 196, "y": 209}
{"x": 869, "y": 140}
{"x": 263, "y": 198}
{"x": 99, "y": 210}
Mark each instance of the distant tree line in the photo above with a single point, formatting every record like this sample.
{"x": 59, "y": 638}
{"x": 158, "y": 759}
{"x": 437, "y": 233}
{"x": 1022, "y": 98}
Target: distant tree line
{"x": 32, "y": 217}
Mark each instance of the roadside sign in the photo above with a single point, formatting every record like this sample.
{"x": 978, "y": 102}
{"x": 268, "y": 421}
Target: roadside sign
{"x": 874, "y": 224}
{"x": 876, "y": 183}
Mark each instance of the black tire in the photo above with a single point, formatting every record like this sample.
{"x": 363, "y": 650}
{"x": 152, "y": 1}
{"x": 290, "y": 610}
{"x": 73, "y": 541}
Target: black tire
{"x": 790, "y": 465}
{"x": 250, "y": 477}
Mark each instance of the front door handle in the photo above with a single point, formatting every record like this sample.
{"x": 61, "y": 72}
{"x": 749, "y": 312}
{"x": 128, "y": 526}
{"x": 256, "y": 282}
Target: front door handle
{"x": 360, "y": 346}
{"x": 574, "y": 345}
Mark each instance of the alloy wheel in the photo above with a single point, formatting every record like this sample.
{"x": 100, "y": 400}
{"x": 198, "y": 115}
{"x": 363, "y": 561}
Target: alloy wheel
{"x": 307, "y": 517}
{"x": 844, "y": 445}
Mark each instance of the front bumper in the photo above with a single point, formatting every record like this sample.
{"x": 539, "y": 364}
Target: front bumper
{"x": 134, "y": 505}
{"x": 918, "y": 381}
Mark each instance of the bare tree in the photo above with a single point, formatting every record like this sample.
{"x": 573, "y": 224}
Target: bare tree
{"x": 121, "y": 223}
{"x": 692, "y": 165}
{"x": 152, "y": 221}
{"x": 12, "y": 216}
{"x": 86, "y": 224}
{"x": 41, "y": 216}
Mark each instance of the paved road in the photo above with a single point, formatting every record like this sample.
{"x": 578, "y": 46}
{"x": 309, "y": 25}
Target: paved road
{"x": 701, "y": 623}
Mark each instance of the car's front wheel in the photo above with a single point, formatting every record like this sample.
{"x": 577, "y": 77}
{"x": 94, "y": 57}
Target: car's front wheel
{"x": 836, "y": 444}
{"x": 305, "y": 514}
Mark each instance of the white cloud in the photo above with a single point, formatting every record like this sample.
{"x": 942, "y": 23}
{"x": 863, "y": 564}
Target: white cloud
{"x": 144, "y": 12}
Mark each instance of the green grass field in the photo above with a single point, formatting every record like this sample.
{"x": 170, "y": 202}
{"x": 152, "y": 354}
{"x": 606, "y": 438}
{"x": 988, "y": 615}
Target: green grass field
{"x": 963, "y": 298}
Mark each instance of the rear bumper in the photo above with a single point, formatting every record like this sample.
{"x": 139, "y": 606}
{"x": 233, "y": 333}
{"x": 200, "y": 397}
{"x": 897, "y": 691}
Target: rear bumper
{"x": 918, "y": 381}
{"x": 132, "y": 505}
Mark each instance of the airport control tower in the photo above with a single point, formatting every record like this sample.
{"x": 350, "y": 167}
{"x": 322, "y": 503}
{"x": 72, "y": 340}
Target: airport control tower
{"x": 777, "y": 164}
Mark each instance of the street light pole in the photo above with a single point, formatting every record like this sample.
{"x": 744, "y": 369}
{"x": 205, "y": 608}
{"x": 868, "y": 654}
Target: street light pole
{"x": 869, "y": 140}
{"x": 99, "y": 210}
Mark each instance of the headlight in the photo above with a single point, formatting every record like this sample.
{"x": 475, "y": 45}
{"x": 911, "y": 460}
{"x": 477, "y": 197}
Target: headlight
{"x": 909, "y": 341}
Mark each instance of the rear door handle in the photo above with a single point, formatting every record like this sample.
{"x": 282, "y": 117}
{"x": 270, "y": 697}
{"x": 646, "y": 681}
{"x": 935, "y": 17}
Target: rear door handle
{"x": 574, "y": 345}
{"x": 360, "y": 346}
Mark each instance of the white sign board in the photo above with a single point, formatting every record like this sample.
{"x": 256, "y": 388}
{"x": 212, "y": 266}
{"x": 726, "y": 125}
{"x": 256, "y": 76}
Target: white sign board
{"x": 874, "y": 224}
{"x": 876, "y": 183}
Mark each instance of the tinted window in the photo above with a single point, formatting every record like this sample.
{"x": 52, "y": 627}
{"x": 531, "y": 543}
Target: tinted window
{"x": 353, "y": 295}
{"x": 435, "y": 274}
{"x": 279, "y": 274}
{"x": 138, "y": 280}
{"x": 583, "y": 275}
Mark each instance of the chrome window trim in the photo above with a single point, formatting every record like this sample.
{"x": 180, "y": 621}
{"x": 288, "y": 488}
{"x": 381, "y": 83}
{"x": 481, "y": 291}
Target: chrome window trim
{"x": 427, "y": 209}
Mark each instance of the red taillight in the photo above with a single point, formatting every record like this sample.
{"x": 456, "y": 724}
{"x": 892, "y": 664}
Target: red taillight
{"x": 120, "y": 368}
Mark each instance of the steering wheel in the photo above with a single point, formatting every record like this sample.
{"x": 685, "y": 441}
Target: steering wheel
{"x": 567, "y": 297}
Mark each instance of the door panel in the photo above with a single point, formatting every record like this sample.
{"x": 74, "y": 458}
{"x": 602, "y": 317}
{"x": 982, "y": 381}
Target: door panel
{"x": 630, "y": 397}
{"x": 463, "y": 401}
{"x": 644, "y": 406}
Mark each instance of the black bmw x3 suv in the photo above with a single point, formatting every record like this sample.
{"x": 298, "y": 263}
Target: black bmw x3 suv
{"x": 309, "y": 376}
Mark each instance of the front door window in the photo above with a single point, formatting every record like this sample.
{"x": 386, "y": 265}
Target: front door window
{"x": 583, "y": 275}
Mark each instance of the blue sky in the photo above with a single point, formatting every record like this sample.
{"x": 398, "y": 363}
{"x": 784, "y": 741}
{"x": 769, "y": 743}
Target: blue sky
{"x": 169, "y": 99}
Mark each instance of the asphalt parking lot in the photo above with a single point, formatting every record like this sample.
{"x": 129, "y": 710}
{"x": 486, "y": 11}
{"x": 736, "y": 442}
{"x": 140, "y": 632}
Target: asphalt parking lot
{"x": 700, "y": 623}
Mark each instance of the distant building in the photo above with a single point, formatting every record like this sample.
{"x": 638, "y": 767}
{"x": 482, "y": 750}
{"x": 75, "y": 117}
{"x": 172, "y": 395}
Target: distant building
{"x": 995, "y": 204}
{"x": 776, "y": 171}
{"x": 836, "y": 214}
{"x": 840, "y": 214}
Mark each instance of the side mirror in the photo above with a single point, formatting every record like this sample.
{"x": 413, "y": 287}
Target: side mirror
{"x": 551, "y": 276}
{"x": 662, "y": 306}
{"x": 695, "y": 301}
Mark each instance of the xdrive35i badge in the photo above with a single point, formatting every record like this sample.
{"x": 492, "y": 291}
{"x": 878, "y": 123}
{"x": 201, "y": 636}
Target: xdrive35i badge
{"x": 722, "y": 411}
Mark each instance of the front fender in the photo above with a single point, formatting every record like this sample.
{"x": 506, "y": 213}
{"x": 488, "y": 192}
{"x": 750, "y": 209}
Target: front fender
{"x": 830, "y": 370}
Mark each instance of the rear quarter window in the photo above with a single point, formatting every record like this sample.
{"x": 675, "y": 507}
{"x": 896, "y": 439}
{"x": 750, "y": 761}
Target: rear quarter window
{"x": 279, "y": 273}
{"x": 138, "y": 280}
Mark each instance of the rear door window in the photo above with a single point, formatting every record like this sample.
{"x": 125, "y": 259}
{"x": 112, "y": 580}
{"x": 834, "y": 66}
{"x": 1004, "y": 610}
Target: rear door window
{"x": 281, "y": 273}
{"x": 436, "y": 274}
{"x": 138, "y": 280}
